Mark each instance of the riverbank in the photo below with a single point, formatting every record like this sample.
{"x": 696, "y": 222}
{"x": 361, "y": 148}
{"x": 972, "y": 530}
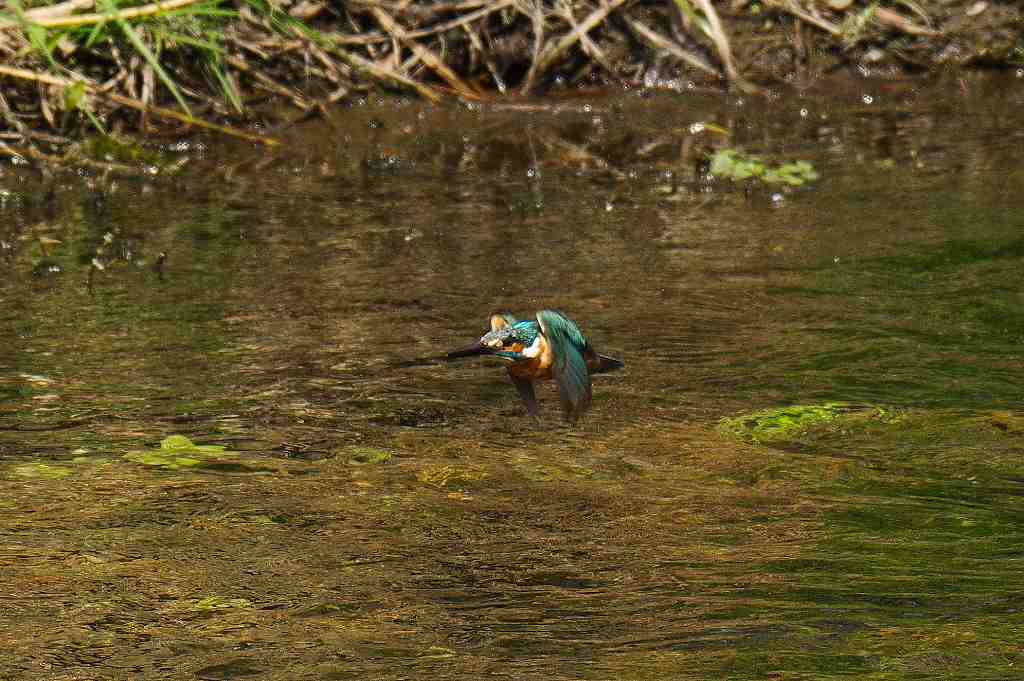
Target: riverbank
{"x": 250, "y": 69}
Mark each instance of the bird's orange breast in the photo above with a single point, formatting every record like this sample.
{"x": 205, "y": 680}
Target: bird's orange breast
{"x": 536, "y": 368}
{"x": 532, "y": 369}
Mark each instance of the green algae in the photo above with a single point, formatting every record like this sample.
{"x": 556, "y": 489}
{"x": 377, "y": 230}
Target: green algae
{"x": 365, "y": 456}
{"x": 220, "y": 603}
{"x": 780, "y": 423}
{"x": 729, "y": 163}
{"x": 178, "y": 452}
{"x": 41, "y": 470}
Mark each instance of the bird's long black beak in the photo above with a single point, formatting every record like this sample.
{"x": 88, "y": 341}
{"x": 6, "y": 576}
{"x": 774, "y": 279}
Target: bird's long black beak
{"x": 471, "y": 351}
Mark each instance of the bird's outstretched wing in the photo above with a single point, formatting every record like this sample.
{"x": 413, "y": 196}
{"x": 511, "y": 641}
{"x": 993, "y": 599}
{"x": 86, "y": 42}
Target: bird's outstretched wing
{"x": 568, "y": 366}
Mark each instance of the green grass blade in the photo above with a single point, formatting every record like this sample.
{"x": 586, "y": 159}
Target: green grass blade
{"x": 148, "y": 55}
{"x": 35, "y": 33}
{"x": 95, "y": 33}
{"x": 227, "y": 85}
{"x": 206, "y": 45}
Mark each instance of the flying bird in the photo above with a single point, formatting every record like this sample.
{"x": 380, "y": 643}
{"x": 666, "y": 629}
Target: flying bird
{"x": 549, "y": 346}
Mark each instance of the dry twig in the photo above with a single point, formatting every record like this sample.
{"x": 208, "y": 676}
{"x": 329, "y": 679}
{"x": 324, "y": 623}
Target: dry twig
{"x": 723, "y": 48}
{"x": 67, "y": 21}
{"x": 425, "y": 54}
{"x": 660, "y": 42}
{"x": 552, "y": 52}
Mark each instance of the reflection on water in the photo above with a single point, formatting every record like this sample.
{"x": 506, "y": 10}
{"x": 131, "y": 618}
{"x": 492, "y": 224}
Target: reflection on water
{"x": 386, "y": 514}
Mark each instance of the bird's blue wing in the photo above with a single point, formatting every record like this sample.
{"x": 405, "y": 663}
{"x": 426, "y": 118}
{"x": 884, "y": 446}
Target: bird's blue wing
{"x": 568, "y": 367}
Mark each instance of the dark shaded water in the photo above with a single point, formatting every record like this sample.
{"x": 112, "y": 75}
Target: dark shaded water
{"x": 294, "y": 321}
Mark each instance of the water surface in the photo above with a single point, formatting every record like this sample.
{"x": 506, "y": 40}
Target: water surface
{"x": 389, "y": 515}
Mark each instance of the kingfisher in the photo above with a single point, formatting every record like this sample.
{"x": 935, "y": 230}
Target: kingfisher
{"x": 549, "y": 346}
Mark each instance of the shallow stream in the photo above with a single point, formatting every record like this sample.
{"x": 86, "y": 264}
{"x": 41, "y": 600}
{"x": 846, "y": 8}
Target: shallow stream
{"x": 810, "y": 467}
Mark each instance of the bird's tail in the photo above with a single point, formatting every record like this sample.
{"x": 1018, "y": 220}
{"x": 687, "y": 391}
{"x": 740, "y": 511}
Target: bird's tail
{"x": 606, "y": 363}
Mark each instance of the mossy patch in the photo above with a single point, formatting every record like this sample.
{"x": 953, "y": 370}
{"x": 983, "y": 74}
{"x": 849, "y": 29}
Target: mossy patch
{"x": 787, "y": 423}
{"x": 442, "y": 476}
{"x": 1007, "y": 422}
{"x": 41, "y": 470}
{"x": 366, "y": 456}
{"x": 178, "y": 452}
{"x": 220, "y": 603}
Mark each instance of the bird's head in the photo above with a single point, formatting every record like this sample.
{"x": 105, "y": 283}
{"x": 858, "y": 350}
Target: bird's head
{"x": 503, "y": 336}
